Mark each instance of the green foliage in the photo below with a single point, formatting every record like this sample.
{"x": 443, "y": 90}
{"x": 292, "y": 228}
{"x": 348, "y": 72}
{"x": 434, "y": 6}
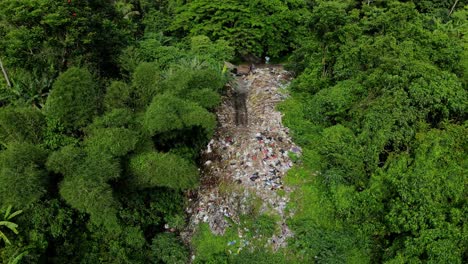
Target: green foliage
{"x": 158, "y": 51}
{"x": 327, "y": 245}
{"x": 263, "y": 225}
{"x": 170, "y": 119}
{"x": 343, "y": 156}
{"x": 379, "y": 108}
{"x": 73, "y": 100}
{"x": 98, "y": 167}
{"x": 331, "y": 105}
{"x": 92, "y": 196}
{"x": 21, "y": 125}
{"x": 378, "y": 105}
{"x": 86, "y": 174}
{"x": 210, "y": 248}
{"x": 47, "y": 36}
{"x": 195, "y": 81}
{"x": 167, "y": 248}
{"x": 146, "y": 82}
{"x": 258, "y": 28}
{"x": 118, "y": 95}
{"x": 18, "y": 258}
{"x": 219, "y": 50}
{"x": 424, "y": 195}
{"x": 57, "y": 136}
{"x": 95, "y": 183}
{"x": 23, "y": 179}
{"x": 116, "y": 118}
{"x": 319, "y": 235}
{"x": 8, "y": 224}
{"x": 27, "y": 87}
{"x": 206, "y": 98}
{"x": 156, "y": 21}
{"x": 101, "y": 246}
{"x": 66, "y": 160}
{"x": 115, "y": 142}
{"x": 154, "y": 169}
{"x": 152, "y": 208}
{"x": 259, "y": 257}
{"x": 152, "y": 48}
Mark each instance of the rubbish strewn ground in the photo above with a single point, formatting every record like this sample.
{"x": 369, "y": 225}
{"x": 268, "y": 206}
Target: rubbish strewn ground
{"x": 246, "y": 161}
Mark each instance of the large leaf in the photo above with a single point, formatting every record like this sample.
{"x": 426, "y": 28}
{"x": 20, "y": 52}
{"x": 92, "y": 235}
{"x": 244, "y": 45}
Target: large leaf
{"x": 17, "y": 259}
{"x": 14, "y": 214}
{"x": 10, "y": 225}
{"x": 7, "y": 212}
{"x": 2, "y": 236}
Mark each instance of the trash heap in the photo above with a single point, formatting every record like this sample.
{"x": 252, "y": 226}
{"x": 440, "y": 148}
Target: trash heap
{"x": 246, "y": 162}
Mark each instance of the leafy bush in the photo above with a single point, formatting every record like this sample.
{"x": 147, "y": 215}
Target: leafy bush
{"x": 219, "y": 50}
{"x": 170, "y": 118}
{"x": 154, "y": 169}
{"x": 167, "y": 248}
{"x": 146, "y": 84}
{"x": 113, "y": 141}
{"x": 73, "y": 100}
{"x": 21, "y": 125}
{"x": 377, "y": 108}
{"x": 50, "y": 36}
{"x": 93, "y": 197}
{"x": 118, "y": 95}
{"x": 263, "y": 27}
{"x": 23, "y": 179}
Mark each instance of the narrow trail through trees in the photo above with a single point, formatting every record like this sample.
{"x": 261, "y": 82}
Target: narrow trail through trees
{"x": 246, "y": 161}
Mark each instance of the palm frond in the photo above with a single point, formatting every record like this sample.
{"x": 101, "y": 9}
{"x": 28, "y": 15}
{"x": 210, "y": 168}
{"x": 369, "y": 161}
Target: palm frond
{"x": 18, "y": 258}
{"x": 14, "y": 214}
{"x": 2, "y": 236}
{"x": 7, "y": 212}
{"x": 10, "y": 225}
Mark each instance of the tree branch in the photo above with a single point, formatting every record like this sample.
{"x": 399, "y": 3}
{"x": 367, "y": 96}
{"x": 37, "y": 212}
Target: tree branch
{"x": 453, "y": 7}
{"x": 5, "y": 74}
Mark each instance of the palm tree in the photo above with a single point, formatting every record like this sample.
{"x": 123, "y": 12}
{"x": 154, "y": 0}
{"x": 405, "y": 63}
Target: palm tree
{"x": 10, "y": 225}
{"x": 126, "y": 9}
{"x": 16, "y": 258}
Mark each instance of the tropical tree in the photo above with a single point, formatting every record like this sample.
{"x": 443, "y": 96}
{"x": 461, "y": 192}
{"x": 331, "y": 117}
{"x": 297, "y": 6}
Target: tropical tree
{"x": 380, "y": 108}
{"x": 73, "y": 101}
{"x": 49, "y": 36}
{"x": 253, "y": 28}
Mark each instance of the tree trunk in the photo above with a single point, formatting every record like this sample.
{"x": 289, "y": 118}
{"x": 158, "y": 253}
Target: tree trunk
{"x": 324, "y": 61}
{"x": 5, "y": 74}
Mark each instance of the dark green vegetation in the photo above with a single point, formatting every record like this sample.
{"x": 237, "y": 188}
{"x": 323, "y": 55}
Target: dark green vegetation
{"x": 100, "y": 130}
{"x": 107, "y": 104}
{"x": 252, "y": 27}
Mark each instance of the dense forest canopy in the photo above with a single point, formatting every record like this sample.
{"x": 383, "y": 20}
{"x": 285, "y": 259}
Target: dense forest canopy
{"x": 105, "y": 107}
{"x": 380, "y": 105}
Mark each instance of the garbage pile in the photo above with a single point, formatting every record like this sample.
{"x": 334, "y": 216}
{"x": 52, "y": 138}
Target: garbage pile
{"x": 249, "y": 160}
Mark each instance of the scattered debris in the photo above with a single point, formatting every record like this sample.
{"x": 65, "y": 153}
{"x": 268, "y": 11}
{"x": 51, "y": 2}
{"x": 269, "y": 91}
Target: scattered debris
{"x": 243, "y": 70}
{"x": 251, "y": 155}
